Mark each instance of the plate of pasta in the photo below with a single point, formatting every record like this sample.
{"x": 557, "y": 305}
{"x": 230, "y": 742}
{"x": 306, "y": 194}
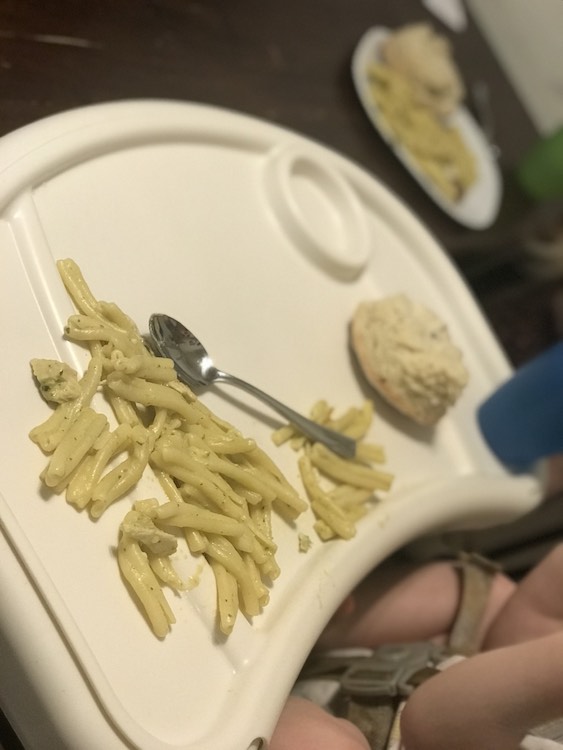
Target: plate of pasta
{"x": 174, "y": 539}
{"x": 435, "y": 136}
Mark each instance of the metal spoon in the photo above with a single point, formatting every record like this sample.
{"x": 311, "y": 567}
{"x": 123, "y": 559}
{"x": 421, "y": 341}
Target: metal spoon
{"x": 194, "y": 366}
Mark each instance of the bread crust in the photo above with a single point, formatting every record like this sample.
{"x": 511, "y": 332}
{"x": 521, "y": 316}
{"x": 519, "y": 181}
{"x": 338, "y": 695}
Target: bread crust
{"x": 405, "y": 353}
{"x": 425, "y": 58}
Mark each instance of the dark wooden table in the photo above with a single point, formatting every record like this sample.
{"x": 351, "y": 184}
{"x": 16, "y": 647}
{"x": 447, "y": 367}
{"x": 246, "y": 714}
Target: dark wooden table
{"x": 288, "y": 62}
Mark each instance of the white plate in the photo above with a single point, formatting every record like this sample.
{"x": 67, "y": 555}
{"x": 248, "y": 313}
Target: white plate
{"x": 479, "y": 207}
{"x": 263, "y": 242}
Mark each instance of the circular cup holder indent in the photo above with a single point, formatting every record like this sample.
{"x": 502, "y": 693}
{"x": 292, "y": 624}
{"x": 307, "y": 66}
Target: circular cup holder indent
{"x": 319, "y": 211}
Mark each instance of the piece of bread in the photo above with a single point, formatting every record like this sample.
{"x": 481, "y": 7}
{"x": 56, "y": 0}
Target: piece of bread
{"x": 406, "y": 354}
{"x": 424, "y": 57}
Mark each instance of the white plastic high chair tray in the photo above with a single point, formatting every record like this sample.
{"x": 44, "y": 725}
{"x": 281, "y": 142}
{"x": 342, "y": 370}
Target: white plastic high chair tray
{"x": 263, "y": 242}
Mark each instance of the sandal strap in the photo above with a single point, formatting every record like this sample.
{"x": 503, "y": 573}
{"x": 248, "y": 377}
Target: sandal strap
{"x": 476, "y": 577}
{"x": 373, "y": 685}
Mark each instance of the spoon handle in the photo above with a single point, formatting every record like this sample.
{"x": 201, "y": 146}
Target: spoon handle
{"x": 340, "y": 444}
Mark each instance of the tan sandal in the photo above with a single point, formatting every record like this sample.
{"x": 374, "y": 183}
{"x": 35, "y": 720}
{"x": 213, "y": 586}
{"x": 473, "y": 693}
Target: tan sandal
{"x": 369, "y": 687}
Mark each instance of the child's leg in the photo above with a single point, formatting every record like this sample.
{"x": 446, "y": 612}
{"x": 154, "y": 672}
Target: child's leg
{"x": 394, "y": 604}
{"x": 305, "y": 726}
{"x": 488, "y": 701}
{"x": 404, "y": 603}
{"x": 494, "y": 698}
{"x": 536, "y": 606}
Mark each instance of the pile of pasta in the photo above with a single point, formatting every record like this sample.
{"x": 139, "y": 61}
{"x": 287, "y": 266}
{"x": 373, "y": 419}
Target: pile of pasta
{"x": 436, "y": 147}
{"x": 221, "y": 488}
{"x": 340, "y": 491}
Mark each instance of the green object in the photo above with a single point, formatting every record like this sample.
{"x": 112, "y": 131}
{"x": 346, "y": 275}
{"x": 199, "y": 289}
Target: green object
{"x": 540, "y": 173}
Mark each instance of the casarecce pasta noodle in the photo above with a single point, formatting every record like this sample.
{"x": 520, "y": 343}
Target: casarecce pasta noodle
{"x": 219, "y": 489}
{"x": 340, "y": 491}
{"x": 437, "y": 147}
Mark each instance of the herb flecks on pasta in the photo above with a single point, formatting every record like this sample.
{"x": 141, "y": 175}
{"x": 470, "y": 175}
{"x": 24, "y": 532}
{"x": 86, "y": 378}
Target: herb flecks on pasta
{"x": 220, "y": 488}
{"x": 340, "y": 490}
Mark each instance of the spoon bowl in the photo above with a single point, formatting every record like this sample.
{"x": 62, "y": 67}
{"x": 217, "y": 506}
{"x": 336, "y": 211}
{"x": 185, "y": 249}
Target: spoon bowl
{"x": 195, "y": 368}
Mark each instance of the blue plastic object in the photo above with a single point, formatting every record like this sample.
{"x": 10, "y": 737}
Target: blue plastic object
{"x": 523, "y": 420}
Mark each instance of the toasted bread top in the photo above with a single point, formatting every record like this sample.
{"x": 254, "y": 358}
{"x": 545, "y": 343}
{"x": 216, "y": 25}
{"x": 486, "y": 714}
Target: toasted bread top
{"x": 406, "y": 354}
